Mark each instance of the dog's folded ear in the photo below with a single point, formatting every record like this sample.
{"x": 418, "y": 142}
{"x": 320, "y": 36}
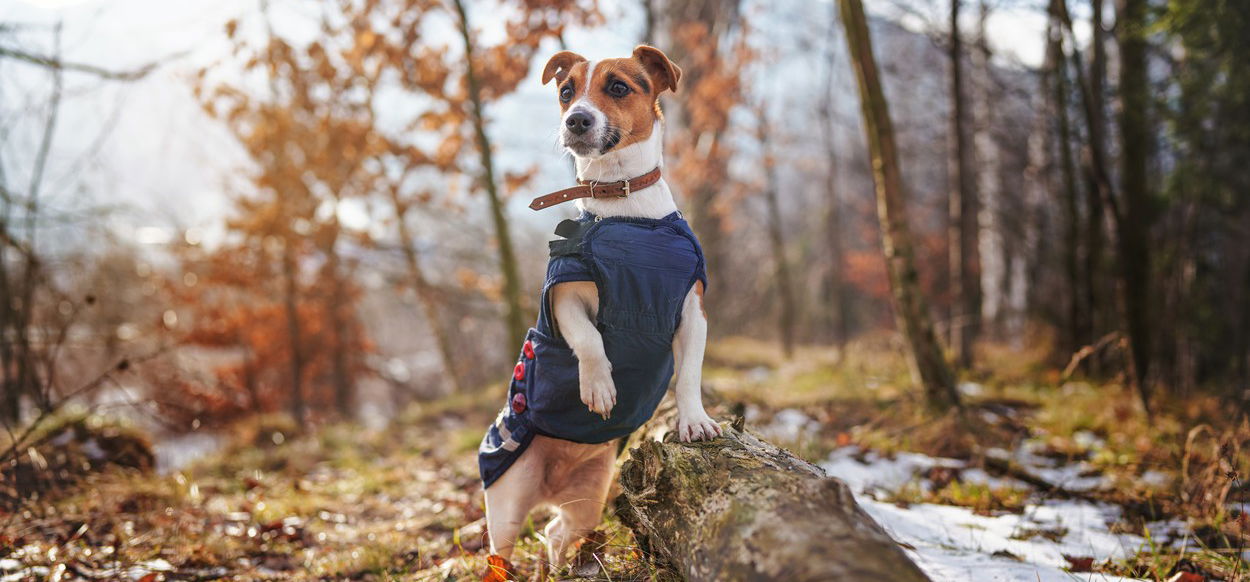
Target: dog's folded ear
{"x": 663, "y": 72}
{"x": 559, "y": 65}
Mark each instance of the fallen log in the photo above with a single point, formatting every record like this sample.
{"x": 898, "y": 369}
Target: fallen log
{"x": 739, "y": 508}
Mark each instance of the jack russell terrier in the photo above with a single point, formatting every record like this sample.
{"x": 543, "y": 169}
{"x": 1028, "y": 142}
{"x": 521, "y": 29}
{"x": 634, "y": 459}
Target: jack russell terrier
{"x": 623, "y": 299}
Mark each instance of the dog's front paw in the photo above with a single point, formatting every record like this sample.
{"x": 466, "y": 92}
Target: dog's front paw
{"x": 696, "y": 427}
{"x": 597, "y": 389}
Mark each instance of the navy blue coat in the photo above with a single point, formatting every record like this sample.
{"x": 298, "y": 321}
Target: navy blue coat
{"x": 644, "y": 269}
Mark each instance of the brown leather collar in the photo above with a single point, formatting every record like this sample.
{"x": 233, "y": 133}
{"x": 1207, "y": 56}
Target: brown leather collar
{"x": 591, "y": 189}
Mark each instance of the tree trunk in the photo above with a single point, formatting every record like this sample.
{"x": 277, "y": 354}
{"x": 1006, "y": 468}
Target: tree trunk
{"x": 965, "y": 282}
{"x": 291, "y": 305}
{"x": 648, "y": 29}
{"x": 785, "y": 290}
{"x": 993, "y": 244}
{"x": 1095, "y": 297}
{"x": 1134, "y": 231}
{"x": 833, "y": 219}
{"x": 9, "y": 383}
{"x": 928, "y": 364}
{"x": 425, "y": 294}
{"x": 701, "y": 139}
{"x": 515, "y": 316}
{"x": 1076, "y": 333}
{"x": 1099, "y": 196}
{"x": 738, "y": 508}
{"x": 344, "y": 388}
{"x": 1131, "y": 216}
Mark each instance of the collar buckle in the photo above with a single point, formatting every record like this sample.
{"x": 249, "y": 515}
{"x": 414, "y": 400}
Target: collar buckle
{"x": 605, "y": 192}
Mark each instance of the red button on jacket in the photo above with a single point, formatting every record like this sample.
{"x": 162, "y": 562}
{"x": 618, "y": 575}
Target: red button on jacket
{"x": 528, "y": 350}
{"x": 518, "y": 403}
{"x": 518, "y": 372}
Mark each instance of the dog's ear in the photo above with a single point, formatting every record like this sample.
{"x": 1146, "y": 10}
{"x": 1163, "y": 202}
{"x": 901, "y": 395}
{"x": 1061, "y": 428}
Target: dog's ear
{"x": 558, "y": 67}
{"x": 663, "y": 72}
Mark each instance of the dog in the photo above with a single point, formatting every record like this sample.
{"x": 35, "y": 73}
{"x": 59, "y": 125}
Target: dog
{"x": 621, "y": 311}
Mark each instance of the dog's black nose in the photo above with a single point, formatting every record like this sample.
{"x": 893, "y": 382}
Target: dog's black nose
{"x": 579, "y": 121}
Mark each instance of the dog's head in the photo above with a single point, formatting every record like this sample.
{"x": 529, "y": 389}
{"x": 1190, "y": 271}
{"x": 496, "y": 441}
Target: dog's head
{"x": 610, "y": 103}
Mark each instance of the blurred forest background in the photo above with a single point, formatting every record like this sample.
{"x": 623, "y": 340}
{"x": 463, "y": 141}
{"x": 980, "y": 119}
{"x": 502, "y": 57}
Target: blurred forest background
{"x": 214, "y": 217}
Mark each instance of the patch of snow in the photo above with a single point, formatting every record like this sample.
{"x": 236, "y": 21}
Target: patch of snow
{"x": 759, "y": 374}
{"x": 1088, "y": 440}
{"x": 31, "y": 573}
{"x": 1169, "y": 532}
{"x": 790, "y": 424}
{"x": 1155, "y": 479}
{"x": 1073, "y": 476}
{"x": 138, "y": 571}
{"x": 869, "y": 472}
{"x": 92, "y": 449}
{"x": 952, "y": 543}
{"x": 62, "y": 439}
{"x": 177, "y": 452}
{"x": 980, "y": 477}
{"x": 971, "y": 389}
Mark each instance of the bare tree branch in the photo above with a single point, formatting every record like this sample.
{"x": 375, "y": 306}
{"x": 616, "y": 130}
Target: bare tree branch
{"x": 56, "y": 63}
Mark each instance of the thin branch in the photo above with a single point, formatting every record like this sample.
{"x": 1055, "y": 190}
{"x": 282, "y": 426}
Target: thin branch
{"x": 57, "y": 64}
{"x": 107, "y": 375}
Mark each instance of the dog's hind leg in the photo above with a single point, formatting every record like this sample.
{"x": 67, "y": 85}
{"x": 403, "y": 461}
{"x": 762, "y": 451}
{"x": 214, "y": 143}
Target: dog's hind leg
{"x": 509, "y": 501}
{"x": 579, "y": 505}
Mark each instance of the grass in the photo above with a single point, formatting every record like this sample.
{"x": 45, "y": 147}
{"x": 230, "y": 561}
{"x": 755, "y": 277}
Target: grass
{"x": 344, "y": 503}
{"x": 980, "y": 498}
{"x": 405, "y": 504}
{"x": 863, "y": 397}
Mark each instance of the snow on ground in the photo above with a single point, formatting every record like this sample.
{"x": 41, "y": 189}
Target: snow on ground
{"x": 953, "y": 543}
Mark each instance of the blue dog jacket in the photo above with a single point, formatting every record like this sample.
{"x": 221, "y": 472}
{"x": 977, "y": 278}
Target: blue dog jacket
{"x": 643, "y": 268}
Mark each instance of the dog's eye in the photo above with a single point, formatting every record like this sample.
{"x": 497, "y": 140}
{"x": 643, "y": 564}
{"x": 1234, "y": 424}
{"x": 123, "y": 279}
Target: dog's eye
{"x": 618, "y": 89}
{"x": 566, "y": 94}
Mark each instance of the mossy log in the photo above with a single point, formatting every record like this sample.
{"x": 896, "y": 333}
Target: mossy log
{"x": 739, "y": 508}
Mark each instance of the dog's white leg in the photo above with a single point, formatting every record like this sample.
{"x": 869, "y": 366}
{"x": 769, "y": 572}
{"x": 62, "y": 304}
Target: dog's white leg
{"x": 689, "y": 343}
{"x": 576, "y": 305}
{"x": 579, "y": 505}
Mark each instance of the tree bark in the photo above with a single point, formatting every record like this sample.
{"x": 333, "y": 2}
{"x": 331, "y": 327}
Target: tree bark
{"x": 515, "y": 315}
{"x": 965, "y": 281}
{"x": 785, "y": 289}
{"x": 739, "y": 508}
{"x": 1130, "y": 215}
{"x": 928, "y": 364}
{"x": 833, "y": 219}
{"x": 994, "y": 248}
{"x": 344, "y": 387}
{"x": 1135, "y": 137}
{"x": 291, "y": 306}
{"x": 1095, "y": 297}
{"x": 1076, "y": 333}
{"x": 1099, "y": 197}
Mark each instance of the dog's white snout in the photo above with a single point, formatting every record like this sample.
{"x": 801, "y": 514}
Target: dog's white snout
{"x": 582, "y": 129}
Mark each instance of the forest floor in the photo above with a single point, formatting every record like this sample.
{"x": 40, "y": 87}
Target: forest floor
{"x": 1040, "y": 480}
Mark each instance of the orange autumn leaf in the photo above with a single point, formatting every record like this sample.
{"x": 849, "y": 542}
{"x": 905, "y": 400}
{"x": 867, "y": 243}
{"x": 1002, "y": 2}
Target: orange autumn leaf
{"x": 498, "y": 570}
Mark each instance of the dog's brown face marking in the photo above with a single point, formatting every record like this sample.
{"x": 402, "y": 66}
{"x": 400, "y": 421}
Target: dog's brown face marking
{"x": 610, "y": 103}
